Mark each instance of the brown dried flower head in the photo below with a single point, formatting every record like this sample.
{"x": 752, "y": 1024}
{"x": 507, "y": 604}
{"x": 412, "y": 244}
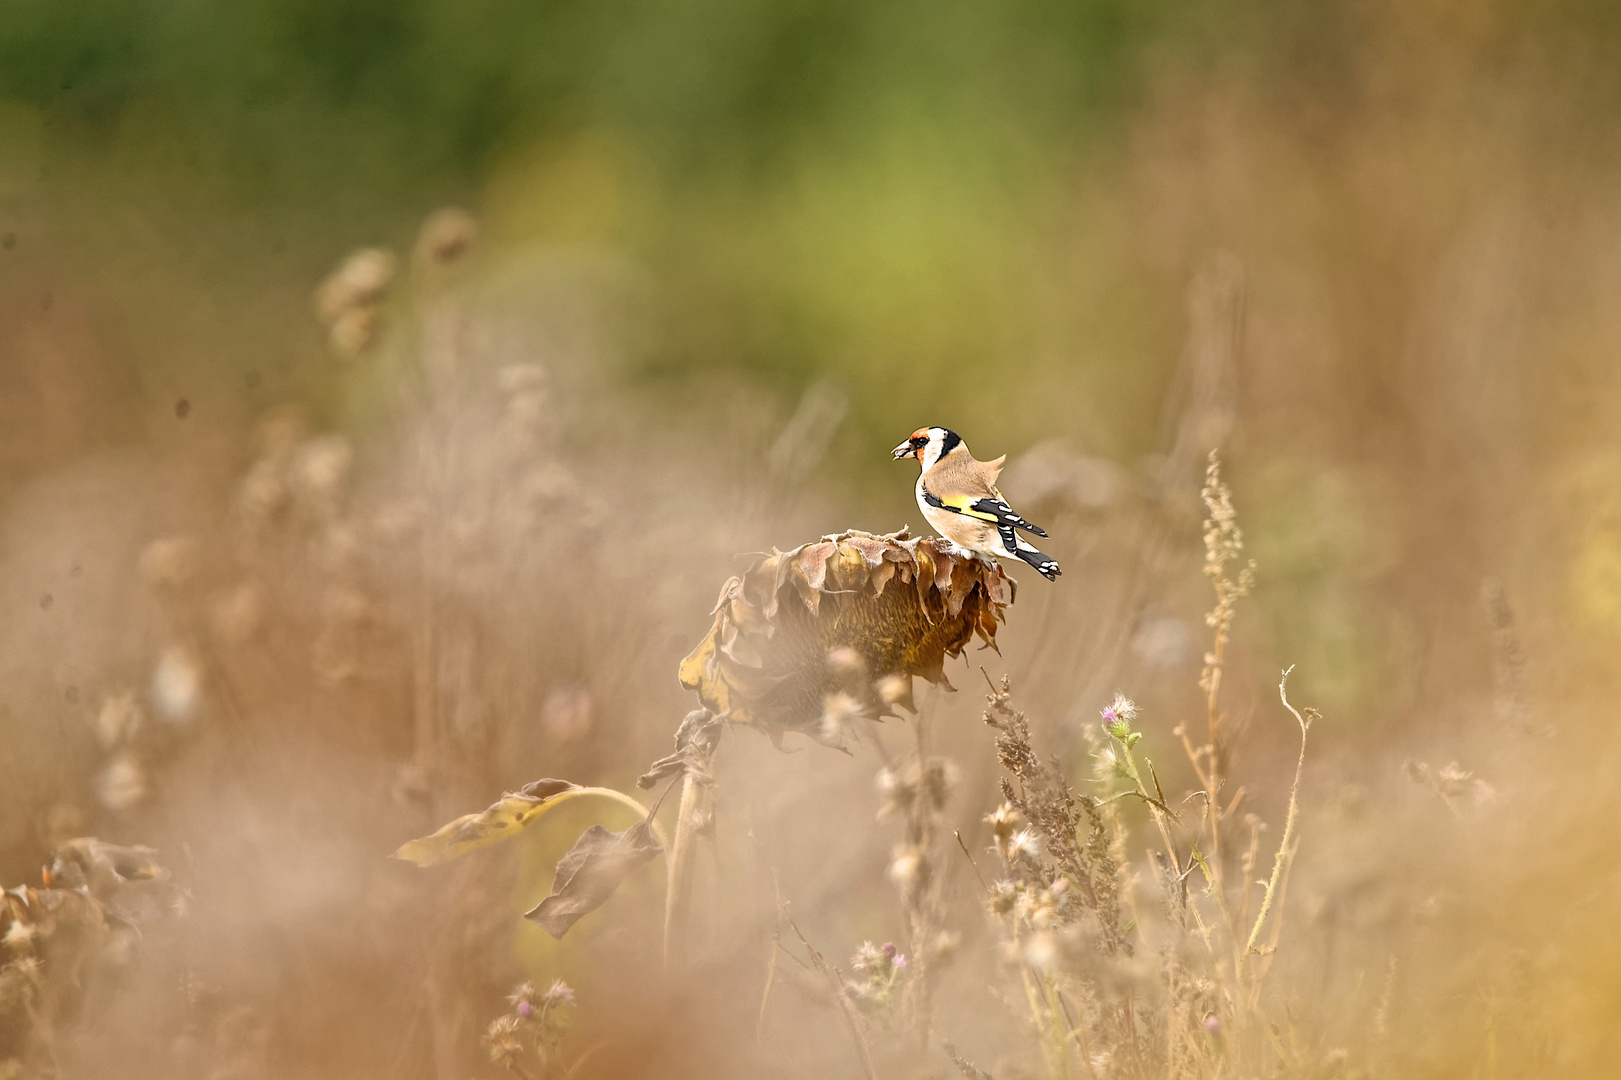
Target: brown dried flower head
{"x": 446, "y": 235}
{"x": 789, "y": 631}
{"x": 358, "y": 282}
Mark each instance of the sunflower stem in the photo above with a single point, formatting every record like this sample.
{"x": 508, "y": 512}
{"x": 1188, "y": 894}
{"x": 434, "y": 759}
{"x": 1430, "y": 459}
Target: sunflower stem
{"x": 678, "y": 891}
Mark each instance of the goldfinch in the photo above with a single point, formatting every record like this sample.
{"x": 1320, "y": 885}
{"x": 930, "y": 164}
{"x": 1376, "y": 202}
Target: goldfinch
{"x": 958, "y": 497}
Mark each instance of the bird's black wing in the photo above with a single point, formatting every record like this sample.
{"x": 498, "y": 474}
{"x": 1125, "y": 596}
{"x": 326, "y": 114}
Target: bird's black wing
{"x": 990, "y": 509}
{"x": 1000, "y": 512}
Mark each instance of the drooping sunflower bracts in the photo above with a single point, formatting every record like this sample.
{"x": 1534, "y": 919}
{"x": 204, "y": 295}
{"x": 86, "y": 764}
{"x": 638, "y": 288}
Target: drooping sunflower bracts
{"x": 788, "y": 630}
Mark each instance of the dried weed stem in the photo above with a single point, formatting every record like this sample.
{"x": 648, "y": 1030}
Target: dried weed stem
{"x": 695, "y": 743}
{"x": 1284, "y": 858}
{"x": 1224, "y": 544}
{"x": 835, "y": 982}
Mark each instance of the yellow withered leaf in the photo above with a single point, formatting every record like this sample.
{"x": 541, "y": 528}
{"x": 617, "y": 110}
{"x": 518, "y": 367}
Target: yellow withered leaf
{"x": 512, "y": 812}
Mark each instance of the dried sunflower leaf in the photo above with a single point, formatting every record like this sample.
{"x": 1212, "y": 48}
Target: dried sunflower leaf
{"x": 813, "y": 561}
{"x": 588, "y": 875}
{"x": 695, "y": 743}
{"x": 881, "y": 575}
{"x": 808, "y": 579}
{"x": 513, "y": 812}
{"x": 873, "y": 550}
{"x": 547, "y": 788}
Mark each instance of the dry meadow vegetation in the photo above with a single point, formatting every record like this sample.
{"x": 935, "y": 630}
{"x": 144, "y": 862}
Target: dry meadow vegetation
{"x": 366, "y": 708}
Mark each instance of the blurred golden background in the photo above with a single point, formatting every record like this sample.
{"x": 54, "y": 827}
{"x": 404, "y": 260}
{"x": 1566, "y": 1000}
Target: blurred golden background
{"x": 386, "y": 389}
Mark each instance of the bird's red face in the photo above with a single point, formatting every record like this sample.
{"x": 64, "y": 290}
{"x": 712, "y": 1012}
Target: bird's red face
{"x": 913, "y": 446}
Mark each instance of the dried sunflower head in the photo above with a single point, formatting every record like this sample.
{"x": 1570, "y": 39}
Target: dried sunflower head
{"x": 853, "y": 614}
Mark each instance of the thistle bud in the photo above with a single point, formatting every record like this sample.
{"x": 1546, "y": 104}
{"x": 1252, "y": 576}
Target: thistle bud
{"x": 1117, "y": 717}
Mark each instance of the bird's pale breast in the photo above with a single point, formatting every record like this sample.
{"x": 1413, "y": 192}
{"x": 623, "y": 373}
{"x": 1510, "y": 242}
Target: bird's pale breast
{"x": 971, "y": 533}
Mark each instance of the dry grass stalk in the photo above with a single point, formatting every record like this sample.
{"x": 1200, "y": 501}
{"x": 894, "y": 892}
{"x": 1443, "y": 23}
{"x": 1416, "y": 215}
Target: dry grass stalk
{"x": 1099, "y": 1008}
{"x": 916, "y": 790}
{"x": 1106, "y": 996}
{"x": 1284, "y": 859}
{"x": 1072, "y": 838}
{"x": 1058, "y": 903}
{"x": 1224, "y": 544}
{"x": 836, "y": 984}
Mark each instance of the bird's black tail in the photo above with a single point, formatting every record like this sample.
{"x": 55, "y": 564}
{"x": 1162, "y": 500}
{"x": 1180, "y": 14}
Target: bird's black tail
{"x": 1044, "y": 565}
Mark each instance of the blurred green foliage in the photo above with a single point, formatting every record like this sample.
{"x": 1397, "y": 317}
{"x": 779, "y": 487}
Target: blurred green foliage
{"x": 882, "y": 192}
{"x": 441, "y": 83}
{"x": 872, "y": 191}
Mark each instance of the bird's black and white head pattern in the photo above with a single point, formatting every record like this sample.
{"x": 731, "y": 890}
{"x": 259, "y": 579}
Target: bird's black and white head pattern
{"x": 928, "y": 445}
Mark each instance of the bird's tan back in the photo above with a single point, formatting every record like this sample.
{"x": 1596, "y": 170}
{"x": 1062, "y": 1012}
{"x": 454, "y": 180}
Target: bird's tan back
{"x": 959, "y": 472}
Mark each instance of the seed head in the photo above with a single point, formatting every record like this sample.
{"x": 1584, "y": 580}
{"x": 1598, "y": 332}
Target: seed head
{"x": 354, "y": 331}
{"x": 318, "y": 473}
{"x": 122, "y": 783}
{"x": 502, "y": 1039}
{"x": 853, "y": 613}
{"x": 446, "y": 236}
{"x": 19, "y": 936}
{"x": 177, "y": 685}
{"x": 908, "y": 868}
{"x": 1041, "y": 952}
{"x": 1026, "y": 843}
{"x": 559, "y": 994}
{"x": 119, "y": 720}
{"x": 840, "y": 713}
{"x": 359, "y": 281}
{"x": 1003, "y": 821}
{"x": 847, "y": 662}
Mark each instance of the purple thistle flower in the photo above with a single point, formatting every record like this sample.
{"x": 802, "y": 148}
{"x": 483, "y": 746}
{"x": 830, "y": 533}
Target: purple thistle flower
{"x": 889, "y": 950}
{"x": 1212, "y": 1024}
{"x": 1117, "y": 718}
{"x": 525, "y": 1009}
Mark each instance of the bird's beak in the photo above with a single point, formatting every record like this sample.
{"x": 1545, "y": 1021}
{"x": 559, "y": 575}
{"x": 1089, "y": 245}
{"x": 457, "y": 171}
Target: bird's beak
{"x": 903, "y": 451}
